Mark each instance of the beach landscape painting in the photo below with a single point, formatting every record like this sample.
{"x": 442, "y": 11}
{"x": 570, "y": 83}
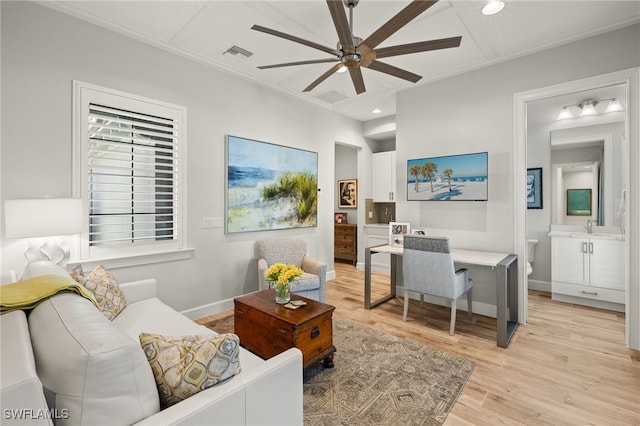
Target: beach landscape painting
{"x": 269, "y": 186}
{"x": 449, "y": 178}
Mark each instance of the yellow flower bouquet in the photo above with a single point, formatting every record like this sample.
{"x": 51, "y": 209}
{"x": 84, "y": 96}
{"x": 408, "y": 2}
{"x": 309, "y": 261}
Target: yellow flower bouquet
{"x": 280, "y": 275}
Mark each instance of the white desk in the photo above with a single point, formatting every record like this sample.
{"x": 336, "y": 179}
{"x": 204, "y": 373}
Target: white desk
{"x": 506, "y": 266}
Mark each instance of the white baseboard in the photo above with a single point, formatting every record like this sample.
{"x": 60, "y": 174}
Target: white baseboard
{"x": 539, "y": 285}
{"x": 208, "y": 309}
{"x": 588, "y": 302}
{"x": 331, "y": 275}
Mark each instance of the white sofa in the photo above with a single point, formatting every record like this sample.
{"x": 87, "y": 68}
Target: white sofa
{"x": 94, "y": 370}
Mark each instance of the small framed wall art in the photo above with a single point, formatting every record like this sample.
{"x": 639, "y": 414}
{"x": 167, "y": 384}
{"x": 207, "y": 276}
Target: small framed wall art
{"x": 348, "y": 194}
{"x": 397, "y": 231}
{"x": 340, "y": 218}
{"x": 534, "y": 188}
{"x": 578, "y": 202}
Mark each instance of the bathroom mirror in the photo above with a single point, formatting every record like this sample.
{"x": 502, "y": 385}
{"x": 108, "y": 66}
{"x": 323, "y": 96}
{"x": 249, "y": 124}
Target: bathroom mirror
{"x": 586, "y": 154}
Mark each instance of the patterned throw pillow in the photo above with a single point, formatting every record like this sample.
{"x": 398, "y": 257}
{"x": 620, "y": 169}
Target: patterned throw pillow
{"x": 106, "y": 290}
{"x": 184, "y": 366}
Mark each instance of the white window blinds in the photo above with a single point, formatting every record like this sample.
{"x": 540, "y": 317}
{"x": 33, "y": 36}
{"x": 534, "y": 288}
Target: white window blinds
{"x": 132, "y": 177}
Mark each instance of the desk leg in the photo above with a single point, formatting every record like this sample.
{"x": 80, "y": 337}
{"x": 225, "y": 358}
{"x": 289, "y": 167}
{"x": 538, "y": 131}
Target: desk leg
{"x": 368, "y": 304}
{"x": 367, "y": 278}
{"x": 507, "y": 299}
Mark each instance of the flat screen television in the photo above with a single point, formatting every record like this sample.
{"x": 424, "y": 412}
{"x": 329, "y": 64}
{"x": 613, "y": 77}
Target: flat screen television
{"x": 450, "y": 178}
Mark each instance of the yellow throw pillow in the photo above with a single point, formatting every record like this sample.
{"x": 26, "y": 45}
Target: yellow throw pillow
{"x": 184, "y": 366}
{"x": 106, "y": 290}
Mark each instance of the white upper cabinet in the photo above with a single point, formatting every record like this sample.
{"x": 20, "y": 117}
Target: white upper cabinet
{"x": 384, "y": 177}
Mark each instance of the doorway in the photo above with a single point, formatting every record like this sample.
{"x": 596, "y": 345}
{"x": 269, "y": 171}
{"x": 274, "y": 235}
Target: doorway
{"x": 346, "y": 213}
{"x": 523, "y": 101}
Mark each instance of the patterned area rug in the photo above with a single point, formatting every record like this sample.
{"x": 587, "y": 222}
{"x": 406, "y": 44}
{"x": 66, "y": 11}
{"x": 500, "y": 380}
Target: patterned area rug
{"x": 378, "y": 379}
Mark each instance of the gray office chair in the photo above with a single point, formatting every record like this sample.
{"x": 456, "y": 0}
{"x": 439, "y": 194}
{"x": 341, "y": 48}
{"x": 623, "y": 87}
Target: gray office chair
{"x": 312, "y": 282}
{"x": 427, "y": 268}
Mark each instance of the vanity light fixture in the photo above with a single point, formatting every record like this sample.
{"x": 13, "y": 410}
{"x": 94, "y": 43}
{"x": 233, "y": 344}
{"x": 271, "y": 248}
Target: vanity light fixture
{"x": 492, "y": 7}
{"x": 588, "y": 107}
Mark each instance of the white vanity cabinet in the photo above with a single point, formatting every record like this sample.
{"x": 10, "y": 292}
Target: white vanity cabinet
{"x": 590, "y": 267}
{"x": 384, "y": 177}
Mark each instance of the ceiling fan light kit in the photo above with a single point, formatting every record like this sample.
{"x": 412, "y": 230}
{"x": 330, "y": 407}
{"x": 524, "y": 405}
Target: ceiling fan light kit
{"x": 353, "y": 52}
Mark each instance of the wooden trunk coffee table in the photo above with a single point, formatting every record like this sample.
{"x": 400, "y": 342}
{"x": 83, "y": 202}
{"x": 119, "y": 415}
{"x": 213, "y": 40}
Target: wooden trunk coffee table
{"x": 267, "y": 328}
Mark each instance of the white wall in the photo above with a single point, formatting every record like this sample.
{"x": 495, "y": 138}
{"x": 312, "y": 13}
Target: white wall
{"x": 43, "y": 51}
{"x": 474, "y": 112}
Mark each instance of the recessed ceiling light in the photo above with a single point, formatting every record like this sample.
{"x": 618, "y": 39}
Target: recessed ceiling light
{"x": 376, "y": 111}
{"x": 493, "y": 7}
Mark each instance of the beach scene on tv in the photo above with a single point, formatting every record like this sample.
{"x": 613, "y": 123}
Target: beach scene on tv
{"x": 449, "y": 178}
{"x": 270, "y": 186}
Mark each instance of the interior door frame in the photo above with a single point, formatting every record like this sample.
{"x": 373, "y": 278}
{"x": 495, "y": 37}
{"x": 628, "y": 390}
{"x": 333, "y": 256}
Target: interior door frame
{"x": 630, "y": 78}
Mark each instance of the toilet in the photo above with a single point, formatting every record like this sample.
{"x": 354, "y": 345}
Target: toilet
{"x": 531, "y": 254}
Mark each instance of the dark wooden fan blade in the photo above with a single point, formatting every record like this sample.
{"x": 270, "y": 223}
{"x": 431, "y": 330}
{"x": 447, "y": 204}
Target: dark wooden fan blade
{"x": 289, "y": 64}
{"x": 422, "y": 46}
{"x": 358, "y": 81}
{"x": 339, "y": 17}
{"x": 295, "y": 39}
{"x": 394, "y": 71}
{"x": 403, "y": 17}
{"x": 322, "y": 78}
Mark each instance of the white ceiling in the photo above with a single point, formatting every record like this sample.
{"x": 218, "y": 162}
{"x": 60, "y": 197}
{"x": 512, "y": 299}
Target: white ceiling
{"x": 204, "y": 30}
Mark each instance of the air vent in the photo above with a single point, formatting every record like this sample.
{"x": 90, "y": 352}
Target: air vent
{"x": 237, "y": 52}
{"x": 332, "y": 97}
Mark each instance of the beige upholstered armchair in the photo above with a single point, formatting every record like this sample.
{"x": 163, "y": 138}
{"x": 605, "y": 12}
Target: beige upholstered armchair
{"x": 311, "y": 284}
{"x": 427, "y": 268}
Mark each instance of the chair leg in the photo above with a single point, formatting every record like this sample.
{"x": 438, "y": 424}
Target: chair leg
{"x": 453, "y": 316}
{"x": 469, "y": 304}
{"x": 406, "y": 305}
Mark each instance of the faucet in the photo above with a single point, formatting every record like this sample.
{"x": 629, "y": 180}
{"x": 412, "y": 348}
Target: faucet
{"x": 589, "y": 226}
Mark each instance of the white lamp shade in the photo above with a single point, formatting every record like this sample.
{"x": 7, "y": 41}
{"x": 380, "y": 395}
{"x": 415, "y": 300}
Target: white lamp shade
{"x": 565, "y": 113}
{"x": 42, "y": 217}
{"x": 588, "y": 108}
{"x": 613, "y": 106}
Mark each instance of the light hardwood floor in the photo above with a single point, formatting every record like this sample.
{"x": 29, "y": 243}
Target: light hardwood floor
{"x": 567, "y": 366}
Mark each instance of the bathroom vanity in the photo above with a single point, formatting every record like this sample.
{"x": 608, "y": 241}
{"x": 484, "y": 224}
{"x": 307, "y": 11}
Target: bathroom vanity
{"x": 588, "y": 268}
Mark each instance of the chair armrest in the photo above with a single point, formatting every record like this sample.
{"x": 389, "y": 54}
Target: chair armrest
{"x": 262, "y": 268}
{"x": 314, "y": 266}
{"x": 135, "y": 291}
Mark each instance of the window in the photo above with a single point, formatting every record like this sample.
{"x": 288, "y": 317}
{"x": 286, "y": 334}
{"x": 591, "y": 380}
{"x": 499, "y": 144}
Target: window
{"x": 129, "y": 166}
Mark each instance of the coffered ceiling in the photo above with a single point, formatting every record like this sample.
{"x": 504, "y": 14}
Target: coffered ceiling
{"x": 218, "y": 33}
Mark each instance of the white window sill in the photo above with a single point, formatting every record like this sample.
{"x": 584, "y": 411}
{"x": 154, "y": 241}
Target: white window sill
{"x": 134, "y": 260}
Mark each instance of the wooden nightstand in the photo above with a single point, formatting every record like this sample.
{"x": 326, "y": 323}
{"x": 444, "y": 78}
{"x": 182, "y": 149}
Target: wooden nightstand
{"x": 345, "y": 241}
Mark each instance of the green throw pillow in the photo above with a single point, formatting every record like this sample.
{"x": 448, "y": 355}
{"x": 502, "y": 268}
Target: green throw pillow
{"x": 184, "y": 366}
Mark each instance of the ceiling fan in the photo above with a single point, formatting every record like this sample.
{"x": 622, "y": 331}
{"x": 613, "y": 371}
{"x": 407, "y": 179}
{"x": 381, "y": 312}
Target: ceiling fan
{"x": 353, "y": 52}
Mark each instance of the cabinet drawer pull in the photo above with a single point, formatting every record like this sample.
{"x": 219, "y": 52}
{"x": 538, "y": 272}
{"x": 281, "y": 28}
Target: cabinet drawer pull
{"x": 590, "y": 247}
{"x": 241, "y": 312}
{"x": 584, "y": 247}
{"x": 315, "y": 332}
{"x": 282, "y": 331}
{"x": 592, "y": 293}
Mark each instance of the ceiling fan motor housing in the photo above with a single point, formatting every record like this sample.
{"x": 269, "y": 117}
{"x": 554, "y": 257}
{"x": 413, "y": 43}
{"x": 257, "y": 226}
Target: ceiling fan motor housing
{"x": 351, "y": 59}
